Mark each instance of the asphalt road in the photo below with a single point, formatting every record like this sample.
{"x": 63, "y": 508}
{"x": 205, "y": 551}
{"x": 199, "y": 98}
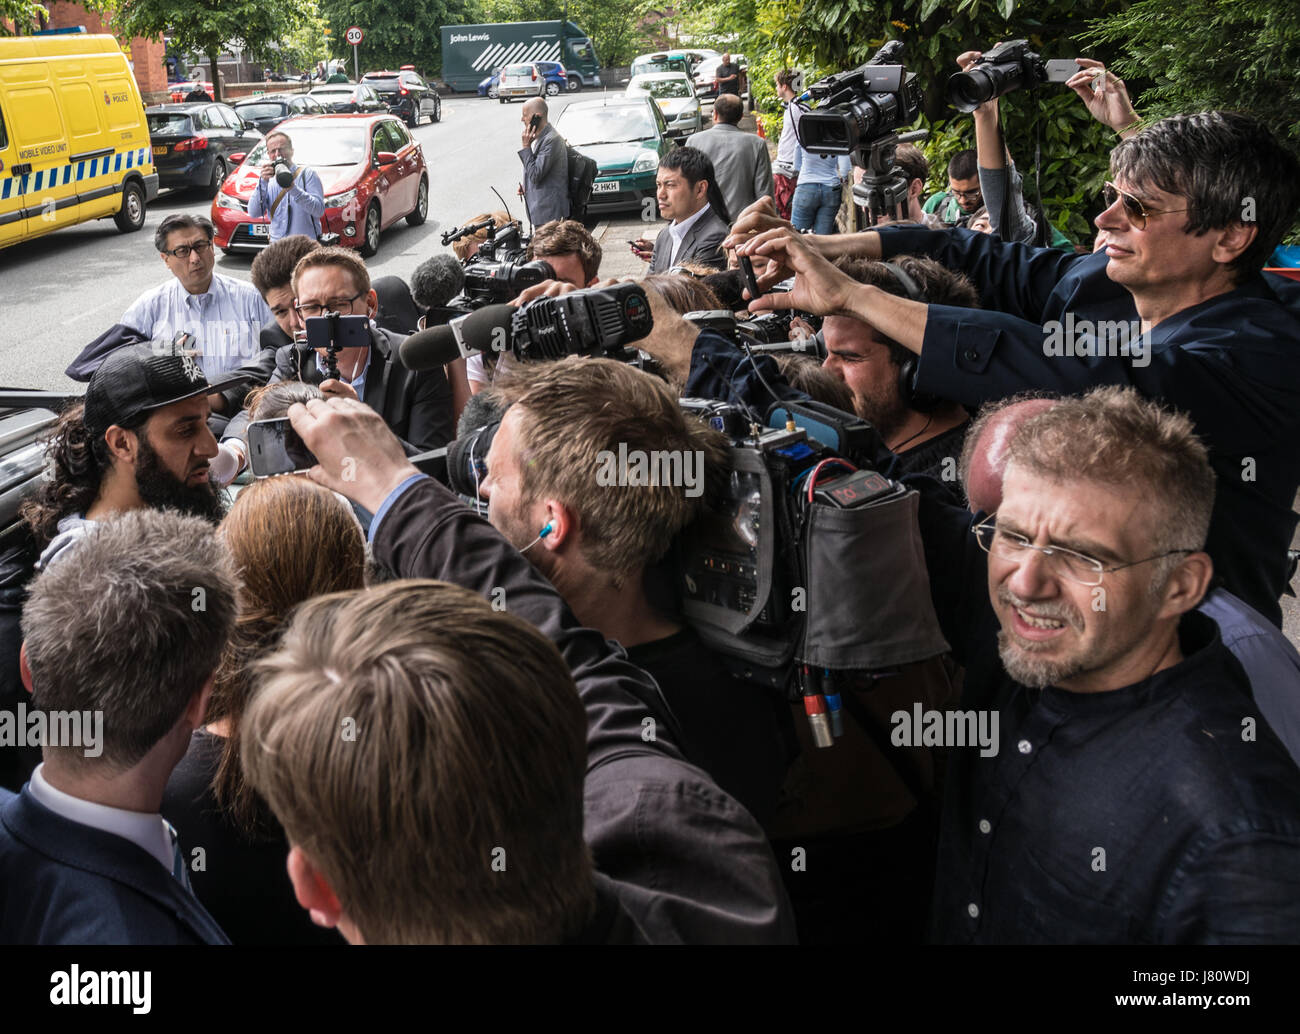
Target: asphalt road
{"x": 59, "y": 292}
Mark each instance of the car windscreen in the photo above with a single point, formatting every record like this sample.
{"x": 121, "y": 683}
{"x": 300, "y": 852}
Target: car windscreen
{"x": 323, "y": 145}
{"x": 165, "y": 123}
{"x": 606, "y": 125}
{"x": 332, "y": 95}
{"x": 659, "y": 88}
{"x": 256, "y": 111}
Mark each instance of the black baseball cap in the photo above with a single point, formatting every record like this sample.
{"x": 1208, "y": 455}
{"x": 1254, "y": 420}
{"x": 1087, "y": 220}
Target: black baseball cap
{"x": 136, "y": 379}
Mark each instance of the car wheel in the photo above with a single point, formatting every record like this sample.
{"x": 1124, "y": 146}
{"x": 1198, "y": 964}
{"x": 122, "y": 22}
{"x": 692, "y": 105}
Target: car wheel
{"x": 492, "y": 92}
{"x": 421, "y": 211}
{"x": 413, "y": 120}
{"x": 501, "y": 100}
{"x": 437, "y": 110}
{"x": 218, "y": 177}
{"x": 552, "y": 89}
{"x": 574, "y": 84}
{"x": 130, "y": 217}
{"x": 370, "y": 240}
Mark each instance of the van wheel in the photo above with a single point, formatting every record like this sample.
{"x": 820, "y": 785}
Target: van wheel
{"x": 218, "y": 178}
{"x": 370, "y": 242}
{"x": 130, "y": 216}
{"x": 421, "y": 210}
{"x": 574, "y": 84}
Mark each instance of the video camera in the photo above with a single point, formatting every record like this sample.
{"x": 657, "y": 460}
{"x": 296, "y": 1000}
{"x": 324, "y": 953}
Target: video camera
{"x": 1008, "y": 66}
{"x": 859, "y": 113}
{"x": 500, "y": 269}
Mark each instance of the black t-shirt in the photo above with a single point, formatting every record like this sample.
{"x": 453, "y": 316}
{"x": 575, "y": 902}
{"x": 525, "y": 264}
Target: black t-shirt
{"x": 731, "y": 729}
{"x": 244, "y": 883}
{"x": 734, "y": 85}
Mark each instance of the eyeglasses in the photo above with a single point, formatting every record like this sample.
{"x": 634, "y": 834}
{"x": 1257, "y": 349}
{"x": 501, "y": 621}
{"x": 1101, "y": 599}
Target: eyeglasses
{"x": 183, "y": 252}
{"x": 1137, "y": 212}
{"x": 333, "y": 305}
{"x": 1077, "y": 567}
{"x": 965, "y": 193}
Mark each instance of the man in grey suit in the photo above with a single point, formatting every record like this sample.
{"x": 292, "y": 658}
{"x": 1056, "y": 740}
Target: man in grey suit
{"x": 545, "y": 189}
{"x": 743, "y": 166}
{"x": 689, "y": 197}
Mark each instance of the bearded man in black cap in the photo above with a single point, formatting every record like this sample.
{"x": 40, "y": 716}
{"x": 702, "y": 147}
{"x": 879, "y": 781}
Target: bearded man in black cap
{"x": 140, "y": 439}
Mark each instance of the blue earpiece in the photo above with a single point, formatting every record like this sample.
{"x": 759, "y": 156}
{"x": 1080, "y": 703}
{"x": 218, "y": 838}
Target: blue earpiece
{"x": 547, "y": 528}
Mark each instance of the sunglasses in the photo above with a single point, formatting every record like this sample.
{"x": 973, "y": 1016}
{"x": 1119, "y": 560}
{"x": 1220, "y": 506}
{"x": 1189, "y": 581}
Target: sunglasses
{"x": 1137, "y": 212}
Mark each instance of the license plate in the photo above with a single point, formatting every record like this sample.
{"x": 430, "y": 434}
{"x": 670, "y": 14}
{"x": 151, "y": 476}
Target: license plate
{"x": 260, "y": 229}
{"x": 160, "y": 150}
{"x": 607, "y": 187}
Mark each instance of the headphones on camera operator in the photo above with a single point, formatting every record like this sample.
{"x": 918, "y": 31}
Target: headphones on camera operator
{"x": 908, "y": 369}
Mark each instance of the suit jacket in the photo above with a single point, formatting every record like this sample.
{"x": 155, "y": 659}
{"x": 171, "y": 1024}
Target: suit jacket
{"x": 416, "y": 406}
{"x": 65, "y": 883}
{"x": 546, "y": 178}
{"x": 1231, "y": 363}
{"x": 740, "y": 163}
{"x": 702, "y": 243}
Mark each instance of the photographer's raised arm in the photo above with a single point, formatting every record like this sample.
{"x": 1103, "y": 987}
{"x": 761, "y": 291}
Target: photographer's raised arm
{"x": 1105, "y": 96}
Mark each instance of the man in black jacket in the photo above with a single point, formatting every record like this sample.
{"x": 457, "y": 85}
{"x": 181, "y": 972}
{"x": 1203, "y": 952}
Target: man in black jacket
{"x": 1175, "y": 306}
{"x": 416, "y": 406}
{"x": 682, "y": 860}
{"x": 85, "y": 856}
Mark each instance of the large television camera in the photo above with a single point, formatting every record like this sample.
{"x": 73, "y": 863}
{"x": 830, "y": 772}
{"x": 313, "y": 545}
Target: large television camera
{"x": 860, "y": 113}
{"x": 500, "y": 269}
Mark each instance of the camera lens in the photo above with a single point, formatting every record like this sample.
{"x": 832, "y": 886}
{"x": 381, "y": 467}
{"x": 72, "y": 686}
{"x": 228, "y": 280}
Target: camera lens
{"x": 467, "y": 460}
{"x": 968, "y": 90}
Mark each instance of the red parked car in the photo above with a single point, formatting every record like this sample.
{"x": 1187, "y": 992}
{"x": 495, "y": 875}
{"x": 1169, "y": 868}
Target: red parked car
{"x": 372, "y": 170}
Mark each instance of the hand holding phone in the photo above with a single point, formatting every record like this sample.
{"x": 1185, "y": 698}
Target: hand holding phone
{"x": 751, "y": 282}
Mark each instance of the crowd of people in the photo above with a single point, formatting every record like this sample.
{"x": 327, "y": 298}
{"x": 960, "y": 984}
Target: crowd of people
{"x": 348, "y": 708}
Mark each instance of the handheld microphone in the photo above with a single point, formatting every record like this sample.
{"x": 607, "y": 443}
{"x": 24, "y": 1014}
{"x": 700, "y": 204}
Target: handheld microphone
{"x": 436, "y": 281}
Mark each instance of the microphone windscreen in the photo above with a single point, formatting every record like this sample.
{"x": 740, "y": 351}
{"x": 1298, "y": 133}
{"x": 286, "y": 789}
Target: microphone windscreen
{"x": 488, "y": 329}
{"x": 437, "y": 281}
{"x": 430, "y": 348}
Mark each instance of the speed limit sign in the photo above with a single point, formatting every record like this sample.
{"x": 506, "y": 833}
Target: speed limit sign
{"x": 354, "y": 35}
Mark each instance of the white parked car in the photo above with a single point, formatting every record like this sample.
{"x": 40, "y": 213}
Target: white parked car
{"x": 675, "y": 95}
{"x": 520, "y": 81}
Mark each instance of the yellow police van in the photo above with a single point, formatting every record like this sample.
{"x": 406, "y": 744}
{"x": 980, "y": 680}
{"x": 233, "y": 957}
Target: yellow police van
{"x": 74, "y": 144}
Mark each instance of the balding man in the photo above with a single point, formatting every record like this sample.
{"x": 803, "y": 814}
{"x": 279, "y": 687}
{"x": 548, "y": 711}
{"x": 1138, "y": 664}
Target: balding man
{"x": 545, "y": 189}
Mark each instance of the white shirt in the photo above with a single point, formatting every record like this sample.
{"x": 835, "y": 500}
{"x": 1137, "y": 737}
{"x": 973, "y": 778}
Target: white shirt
{"x": 679, "y": 230}
{"x": 147, "y": 831}
{"x": 789, "y": 142}
{"x": 225, "y": 320}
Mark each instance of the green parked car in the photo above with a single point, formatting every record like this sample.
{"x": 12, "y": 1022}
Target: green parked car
{"x": 626, "y": 136}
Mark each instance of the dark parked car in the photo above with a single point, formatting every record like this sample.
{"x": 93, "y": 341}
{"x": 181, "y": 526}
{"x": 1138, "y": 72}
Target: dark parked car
{"x": 195, "y": 145}
{"x": 408, "y": 96}
{"x": 268, "y": 111}
{"x": 348, "y": 98}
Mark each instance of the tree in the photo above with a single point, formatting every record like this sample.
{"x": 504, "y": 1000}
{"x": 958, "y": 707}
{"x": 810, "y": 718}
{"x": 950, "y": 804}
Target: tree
{"x": 208, "y": 26}
{"x": 1237, "y": 54}
{"x": 23, "y": 13}
{"x": 398, "y": 32}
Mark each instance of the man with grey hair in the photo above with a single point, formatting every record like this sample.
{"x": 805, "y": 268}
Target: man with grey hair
{"x": 1139, "y": 795}
{"x": 545, "y": 189}
{"x": 125, "y": 633}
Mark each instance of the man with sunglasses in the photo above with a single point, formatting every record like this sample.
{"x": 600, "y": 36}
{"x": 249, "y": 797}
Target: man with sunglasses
{"x": 1175, "y": 305}
{"x": 1139, "y": 796}
{"x": 222, "y": 315}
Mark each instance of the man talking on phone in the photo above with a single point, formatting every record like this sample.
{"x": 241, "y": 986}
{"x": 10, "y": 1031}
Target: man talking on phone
{"x": 545, "y": 189}
{"x": 416, "y": 406}
{"x": 296, "y": 208}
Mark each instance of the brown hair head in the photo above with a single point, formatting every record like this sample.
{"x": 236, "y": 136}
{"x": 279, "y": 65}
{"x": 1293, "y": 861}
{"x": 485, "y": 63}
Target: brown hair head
{"x": 275, "y": 263}
{"x": 427, "y": 754}
{"x": 291, "y": 540}
{"x": 344, "y": 258}
{"x": 566, "y": 237}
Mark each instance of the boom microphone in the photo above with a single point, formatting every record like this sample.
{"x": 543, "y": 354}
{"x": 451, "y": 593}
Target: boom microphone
{"x": 436, "y": 281}
{"x": 427, "y": 349}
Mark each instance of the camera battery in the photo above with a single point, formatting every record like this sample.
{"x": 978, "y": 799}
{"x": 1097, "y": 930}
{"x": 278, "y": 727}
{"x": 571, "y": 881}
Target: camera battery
{"x": 854, "y": 490}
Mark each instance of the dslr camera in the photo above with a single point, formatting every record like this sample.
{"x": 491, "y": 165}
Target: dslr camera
{"x": 1008, "y": 66}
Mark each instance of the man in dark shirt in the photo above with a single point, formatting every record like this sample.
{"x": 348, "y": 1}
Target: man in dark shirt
{"x": 728, "y": 76}
{"x": 676, "y": 859}
{"x": 1175, "y": 306}
{"x": 592, "y": 473}
{"x": 1137, "y": 795}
